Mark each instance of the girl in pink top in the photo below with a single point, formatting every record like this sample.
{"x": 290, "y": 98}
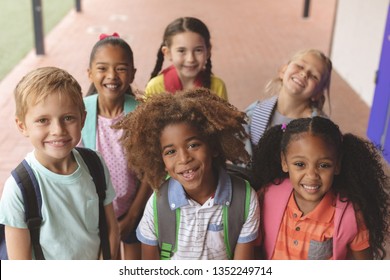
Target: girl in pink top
{"x": 309, "y": 165}
{"x": 111, "y": 71}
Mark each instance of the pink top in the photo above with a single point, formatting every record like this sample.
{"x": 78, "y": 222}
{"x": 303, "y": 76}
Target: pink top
{"x": 123, "y": 179}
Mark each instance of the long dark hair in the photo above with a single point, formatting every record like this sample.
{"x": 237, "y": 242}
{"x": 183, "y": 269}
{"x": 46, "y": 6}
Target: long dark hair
{"x": 362, "y": 179}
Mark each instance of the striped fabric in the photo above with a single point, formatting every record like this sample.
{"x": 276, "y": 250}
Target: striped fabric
{"x": 260, "y": 118}
{"x": 201, "y": 234}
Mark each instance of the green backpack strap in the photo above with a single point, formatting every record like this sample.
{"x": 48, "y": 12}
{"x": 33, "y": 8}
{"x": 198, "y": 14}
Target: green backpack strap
{"x": 164, "y": 218}
{"x": 235, "y": 215}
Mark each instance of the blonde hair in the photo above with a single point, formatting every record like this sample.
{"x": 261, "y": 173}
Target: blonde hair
{"x": 274, "y": 86}
{"x": 42, "y": 82}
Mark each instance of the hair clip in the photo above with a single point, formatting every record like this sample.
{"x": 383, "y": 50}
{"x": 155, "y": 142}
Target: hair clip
{"x": 104, "y": 36}
{"x": 284, "y": 126}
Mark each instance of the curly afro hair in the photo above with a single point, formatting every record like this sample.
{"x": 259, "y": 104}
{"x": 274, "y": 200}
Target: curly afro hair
{"x": 219, "y": 122}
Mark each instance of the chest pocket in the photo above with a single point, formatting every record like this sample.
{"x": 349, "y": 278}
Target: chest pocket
{"x": 215, "y": 237}
{"x": 320, "y": 250}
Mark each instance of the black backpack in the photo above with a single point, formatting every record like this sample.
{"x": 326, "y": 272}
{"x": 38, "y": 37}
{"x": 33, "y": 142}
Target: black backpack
{"x": 28, "y": 184}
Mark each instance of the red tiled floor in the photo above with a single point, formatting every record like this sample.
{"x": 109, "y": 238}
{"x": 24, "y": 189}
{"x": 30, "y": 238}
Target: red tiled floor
{"x": 251, "y": 39}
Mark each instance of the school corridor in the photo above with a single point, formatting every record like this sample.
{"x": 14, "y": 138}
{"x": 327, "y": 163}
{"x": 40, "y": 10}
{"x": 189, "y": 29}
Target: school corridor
{"x": 250, "y": 39}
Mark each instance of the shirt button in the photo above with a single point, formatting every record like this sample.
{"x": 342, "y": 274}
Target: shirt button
{"x": 227, "y": 203}
{"x": 297, "y": 228}
{"x": 173, "y": 205}
{"x": 295, "y": 215}
{"x": 296, "y": 242}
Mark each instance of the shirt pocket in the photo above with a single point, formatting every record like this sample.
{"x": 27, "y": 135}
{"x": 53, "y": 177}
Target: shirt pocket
{"x": 92, "y": 215}
{"x": 320, "y": 250}
{"x": 215, "y": 237}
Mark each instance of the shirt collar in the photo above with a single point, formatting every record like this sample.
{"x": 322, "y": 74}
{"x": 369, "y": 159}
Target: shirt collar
{"x": 177, "y": 196}
{"x": 323, "y": 212}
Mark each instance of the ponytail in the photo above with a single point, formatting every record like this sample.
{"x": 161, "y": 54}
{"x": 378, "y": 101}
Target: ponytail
{"x": 159, "y": 63}
{"x": 363, "y": 181}
{"x": 207, "y": 75}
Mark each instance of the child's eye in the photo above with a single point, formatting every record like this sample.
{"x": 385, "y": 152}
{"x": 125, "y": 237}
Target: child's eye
{"x": 42, "y": 121}
{"x": 121, "y": 69}
{"x": 181, "y": 51}
{"x": 69, "y": 118}
{"x": 169, "y": 152}
{"x": 299, "y": 164}
{"x": 199, "y": 50}
{"x": 314, "y": 77}
{"x": 101, "y": 68}
{"x": 325, "y": 165}
{"x": 193, "y": 145}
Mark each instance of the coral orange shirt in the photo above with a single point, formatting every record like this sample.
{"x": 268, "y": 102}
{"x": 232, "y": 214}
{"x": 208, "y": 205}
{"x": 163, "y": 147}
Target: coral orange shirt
{"x": 310, "y": 236}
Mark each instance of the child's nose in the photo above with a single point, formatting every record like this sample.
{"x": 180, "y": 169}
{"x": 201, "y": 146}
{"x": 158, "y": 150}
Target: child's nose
{"x": 184, "y": 156}
{"x": 111, "y": 73}
{"x": 312, "y": 172}
{"x": 190, "y": 56}
{"x": 303, "y": 74}
{"x": 56, "y": 128}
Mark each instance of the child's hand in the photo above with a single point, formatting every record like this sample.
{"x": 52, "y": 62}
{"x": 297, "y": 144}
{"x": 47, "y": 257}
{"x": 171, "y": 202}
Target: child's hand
{"x": 126, "y": 225}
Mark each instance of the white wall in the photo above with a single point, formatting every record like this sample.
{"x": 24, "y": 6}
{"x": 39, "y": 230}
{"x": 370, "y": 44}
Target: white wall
{"x": 357, "y": 43}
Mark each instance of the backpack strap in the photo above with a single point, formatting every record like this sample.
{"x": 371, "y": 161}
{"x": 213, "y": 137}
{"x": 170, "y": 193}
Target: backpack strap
{"x": 96, "y": 170}
{"x": 164, "y": 218}
{"x": 235, "y": 215}
{"x": 32, "y": 198}
{"x": 91, "y": 105}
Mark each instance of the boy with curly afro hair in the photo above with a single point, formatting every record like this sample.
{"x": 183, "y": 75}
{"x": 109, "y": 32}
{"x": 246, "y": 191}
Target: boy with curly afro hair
{"x": 190, "y": 136}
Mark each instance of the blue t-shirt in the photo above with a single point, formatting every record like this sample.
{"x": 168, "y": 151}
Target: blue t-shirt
{"x": 70, "y": 210}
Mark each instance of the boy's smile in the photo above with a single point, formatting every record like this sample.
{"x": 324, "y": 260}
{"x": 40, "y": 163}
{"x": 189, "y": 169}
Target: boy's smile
{"x": 54, "y": 128}
{"x": 188, "y": 159}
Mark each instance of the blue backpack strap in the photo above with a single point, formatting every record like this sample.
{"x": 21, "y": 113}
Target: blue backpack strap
{"x": 32, "y": 198}
{"x": 164, "y": 219}
{"x": 235, "y": 215}
{"x": 91, "y": 105}
{"x": 130, "y": 103}
{"x": 96, "y": 170}
{"x": 89, "y": 130}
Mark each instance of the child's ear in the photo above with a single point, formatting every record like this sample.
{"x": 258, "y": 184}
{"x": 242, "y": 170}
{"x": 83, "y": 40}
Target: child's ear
{"x": 167, "y": 53}
{"x": 89, "y": 71}
{"x": 283, "y": 162}
{"x": 132, "y": 75}
{"x": 209, "y": 52}
{"x": 282, "y": 70}
{"x": 338, "y": 167}
{"x": 21, "y": 127}
{"x": 83, "y": 117}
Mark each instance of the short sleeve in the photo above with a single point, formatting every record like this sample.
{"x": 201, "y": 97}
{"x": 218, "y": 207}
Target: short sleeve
{"x": 146, "y": 232}
{"x": 11, "y": 205}
{"x": 250, "y": 229}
